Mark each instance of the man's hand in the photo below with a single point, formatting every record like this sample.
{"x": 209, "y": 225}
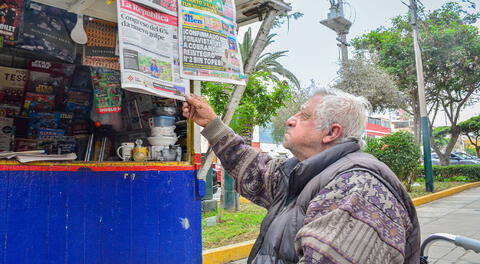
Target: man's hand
{"x": 197, "y": 109}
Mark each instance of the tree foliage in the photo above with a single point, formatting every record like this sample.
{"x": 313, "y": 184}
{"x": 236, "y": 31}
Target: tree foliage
{"x": 441, "y": 136}
{"x": 400, "y": 152}
{"x": 258, "y": 105}
{"x": 363, "y": 78}
{"x": 451, "y": 56}
{"x": 471, "y": 128}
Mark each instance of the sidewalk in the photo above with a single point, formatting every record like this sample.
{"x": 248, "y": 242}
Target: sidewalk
{"x": 458, "y": 214}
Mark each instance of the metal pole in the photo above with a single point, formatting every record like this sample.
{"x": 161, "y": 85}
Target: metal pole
{"x": 257, "y": 48}
{"x": 343, "y": 46}
{"x": 427, "y": 155}
{"x": 342, "y": 36}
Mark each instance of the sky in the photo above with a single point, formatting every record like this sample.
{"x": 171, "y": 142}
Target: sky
{"x": 313, "y": 52}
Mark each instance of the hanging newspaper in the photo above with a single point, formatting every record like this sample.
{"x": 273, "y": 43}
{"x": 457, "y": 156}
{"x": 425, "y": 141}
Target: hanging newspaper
{"x": 208, "y": 42}
{"x": 148, "y": 41}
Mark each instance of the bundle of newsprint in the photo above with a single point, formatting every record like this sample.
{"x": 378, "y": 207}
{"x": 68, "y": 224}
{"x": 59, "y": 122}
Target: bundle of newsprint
{"x": 162, "y": 45}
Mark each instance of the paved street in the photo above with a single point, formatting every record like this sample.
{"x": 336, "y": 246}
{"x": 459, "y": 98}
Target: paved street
{"x": 458, "y": 214}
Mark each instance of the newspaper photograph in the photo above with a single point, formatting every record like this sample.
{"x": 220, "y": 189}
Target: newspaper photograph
{"x": 148, "y": 44}
{"x": 208, "y": 48}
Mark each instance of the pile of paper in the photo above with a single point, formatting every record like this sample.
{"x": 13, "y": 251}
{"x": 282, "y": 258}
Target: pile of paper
{"x": 36, "y": 155}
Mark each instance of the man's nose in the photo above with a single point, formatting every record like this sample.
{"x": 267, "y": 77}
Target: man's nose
{"x": 291, "y": 121}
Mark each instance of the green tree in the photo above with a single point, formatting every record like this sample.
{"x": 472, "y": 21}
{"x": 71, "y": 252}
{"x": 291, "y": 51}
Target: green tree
{"x": 257, "y": 106}
{"x": 441, "y": 136}
{"x": 268, "y": 61}
{"x": 400, "y": 152}
{"x": 451, "y": 54}
{"x": 471, "y": 128}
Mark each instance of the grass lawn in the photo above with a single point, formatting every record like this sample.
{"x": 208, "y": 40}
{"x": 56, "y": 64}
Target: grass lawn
{"x": 236, "y": 226}
{"x": 244, "y": 225}
{"x": 418, "y": 191}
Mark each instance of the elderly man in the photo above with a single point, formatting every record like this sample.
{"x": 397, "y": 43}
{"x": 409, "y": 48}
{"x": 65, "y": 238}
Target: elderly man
{"x": 332, "y": 203}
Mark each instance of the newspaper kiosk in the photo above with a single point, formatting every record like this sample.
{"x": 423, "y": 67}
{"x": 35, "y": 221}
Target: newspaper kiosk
{"x": 95, "y": 174}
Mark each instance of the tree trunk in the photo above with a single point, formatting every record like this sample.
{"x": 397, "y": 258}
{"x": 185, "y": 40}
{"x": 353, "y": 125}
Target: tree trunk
{"x": 477, "y": 149}
{"x": 417, "y": 127}
{"x": 443, "y": 159}
{"x": 451, "y": 144}
{"x": 416, "y": 115}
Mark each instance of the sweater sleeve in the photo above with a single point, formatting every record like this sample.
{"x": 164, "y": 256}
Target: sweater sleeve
{"x": 256, "y": 176}
{"x": 354, "y": 219}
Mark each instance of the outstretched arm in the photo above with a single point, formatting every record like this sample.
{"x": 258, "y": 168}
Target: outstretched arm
{"x": 256, "y": 175}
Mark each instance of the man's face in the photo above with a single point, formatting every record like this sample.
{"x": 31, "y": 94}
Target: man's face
{"x": 302, "y": 138}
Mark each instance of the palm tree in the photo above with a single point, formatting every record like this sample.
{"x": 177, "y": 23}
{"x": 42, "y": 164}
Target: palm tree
{"x": 267, "y": 62}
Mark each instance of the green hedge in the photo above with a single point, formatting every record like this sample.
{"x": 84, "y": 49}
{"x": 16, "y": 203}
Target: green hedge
{"x": 453, "y": 172}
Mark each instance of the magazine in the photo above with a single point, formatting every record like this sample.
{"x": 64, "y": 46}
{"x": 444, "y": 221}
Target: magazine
{"x": 11, "y": 12}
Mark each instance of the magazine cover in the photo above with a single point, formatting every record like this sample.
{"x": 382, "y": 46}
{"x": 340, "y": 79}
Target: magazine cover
{"x": 12, "y": 85}
{"x": 46, "y": 29}
{"x": 38, "y": 121}
{"x": 35, "y": 102}
{"x": 10, "y": 17}
{"x": 107, "y": 91}
{"x": 51, "y": 79}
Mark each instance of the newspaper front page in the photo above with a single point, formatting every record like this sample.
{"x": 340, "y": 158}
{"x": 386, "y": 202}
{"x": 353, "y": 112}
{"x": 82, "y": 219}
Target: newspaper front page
{"x": 149, "y": 61}
{"x": 208, "y": 42}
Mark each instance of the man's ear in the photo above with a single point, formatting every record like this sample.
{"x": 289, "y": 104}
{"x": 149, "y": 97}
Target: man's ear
{"x": 333, "y": 134}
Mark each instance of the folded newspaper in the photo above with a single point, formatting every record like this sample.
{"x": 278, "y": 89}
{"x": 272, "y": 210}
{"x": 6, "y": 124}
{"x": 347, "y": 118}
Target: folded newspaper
{"x": 36, "y": 155}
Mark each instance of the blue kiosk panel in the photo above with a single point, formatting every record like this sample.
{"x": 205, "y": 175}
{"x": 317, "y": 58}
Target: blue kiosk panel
{"x": 57, "y": 215}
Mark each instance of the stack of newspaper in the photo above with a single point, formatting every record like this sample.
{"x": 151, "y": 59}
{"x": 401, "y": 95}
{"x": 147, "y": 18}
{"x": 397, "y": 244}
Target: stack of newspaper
{"x": 36, "y": 155}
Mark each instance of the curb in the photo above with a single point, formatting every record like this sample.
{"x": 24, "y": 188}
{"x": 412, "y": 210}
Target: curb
{"x": 435, "y": 196}
{"x": 242, "y": 250}
{"x": 227, "y": 253}
{"x": 244, "y": 200}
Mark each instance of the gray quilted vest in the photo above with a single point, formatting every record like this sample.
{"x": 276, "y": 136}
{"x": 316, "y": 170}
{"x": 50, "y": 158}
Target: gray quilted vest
{"x": 276, "y": 241}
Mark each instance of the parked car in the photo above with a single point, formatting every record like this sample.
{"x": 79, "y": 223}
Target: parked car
{"x": 456, "y": 159}
{"x": 466, "y": 156}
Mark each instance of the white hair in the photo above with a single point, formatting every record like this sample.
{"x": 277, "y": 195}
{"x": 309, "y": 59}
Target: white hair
{"x": 347, "y": 110}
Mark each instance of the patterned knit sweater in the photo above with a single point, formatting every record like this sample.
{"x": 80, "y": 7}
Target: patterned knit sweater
{"x": 354, "y": 219}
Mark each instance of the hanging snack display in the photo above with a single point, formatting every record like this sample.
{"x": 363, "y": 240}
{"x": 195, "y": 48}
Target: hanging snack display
{"x": 101, "y": 48}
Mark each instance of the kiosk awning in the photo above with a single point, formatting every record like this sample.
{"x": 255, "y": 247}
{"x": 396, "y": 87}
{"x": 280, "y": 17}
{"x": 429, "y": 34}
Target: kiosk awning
{"x": 248, "y": 11}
